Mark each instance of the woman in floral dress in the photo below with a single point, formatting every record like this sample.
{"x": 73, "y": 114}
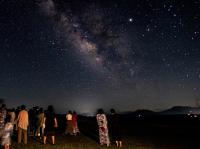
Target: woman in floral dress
{"x": 103, "y": 128}
{"x": 6, "y": 133}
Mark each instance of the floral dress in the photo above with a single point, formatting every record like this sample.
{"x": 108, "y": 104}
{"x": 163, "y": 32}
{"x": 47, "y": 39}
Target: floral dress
{"x": 103, "y": 129}
{"x": 7, "y": 132}
{"x": 2, "y": 118}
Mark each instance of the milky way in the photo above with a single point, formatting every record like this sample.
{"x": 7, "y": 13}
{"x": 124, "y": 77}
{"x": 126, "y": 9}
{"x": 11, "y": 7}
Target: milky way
{"x": 91, "y": 38}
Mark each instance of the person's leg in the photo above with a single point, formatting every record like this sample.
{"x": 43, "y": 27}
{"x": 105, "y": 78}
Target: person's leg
{"x": 45, "y": 136}
{"x": 108, "y": 143}
{"x": 71, "y": 128}
{"x": 117, "y": 143}
{"x": 108, "y": 139}
{"x": 24, "y": 135}
{"x": 53, "y": 139}
{"x": 19, "y": 135}
{"x": 5, "y": 146}
{"x": 41, "y": 135}
{"x": 120, "y": 143}
{"x": 74, "y": 131}
{"x": 44, "y": 139}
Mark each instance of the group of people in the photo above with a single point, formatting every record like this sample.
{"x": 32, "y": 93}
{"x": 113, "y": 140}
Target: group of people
{"x": 40, "y": 123}
{"x": 111, "y": 125}
{"x": 35, "y": 122}
{"x": 72, "y": 125}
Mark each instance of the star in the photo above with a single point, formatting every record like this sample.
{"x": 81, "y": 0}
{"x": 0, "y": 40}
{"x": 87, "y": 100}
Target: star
{"x": 148, "y": 29}
{"x": 130, "y": 19}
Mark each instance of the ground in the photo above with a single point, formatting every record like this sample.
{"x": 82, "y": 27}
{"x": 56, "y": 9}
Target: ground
{"x": 84, "y": 142}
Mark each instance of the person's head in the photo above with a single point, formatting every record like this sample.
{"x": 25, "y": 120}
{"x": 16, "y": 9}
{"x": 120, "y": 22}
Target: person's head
{"x": 18, "y": 108}
{"x": 23, "y": 107}
{"x": 8, "y": 118}
{"x": 41, "y": 110}
{"x": 100, "y": 111}
{"x": 50, "y": 108}
{"x": 3, "y": 106}
{"x": 112, "y": 111}
{"x": 69, "y": 112}
{"x": 74, "y": 112}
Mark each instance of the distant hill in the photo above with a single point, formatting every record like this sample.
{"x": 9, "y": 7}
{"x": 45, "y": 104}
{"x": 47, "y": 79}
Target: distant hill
{"x": 181, "y": 110}
{"x": 139, "y": 113}
{"x": 144, "y": 112}
{"x": 176, "y": 110}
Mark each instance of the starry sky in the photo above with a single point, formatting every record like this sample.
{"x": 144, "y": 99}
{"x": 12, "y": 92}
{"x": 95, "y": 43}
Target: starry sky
{"x": 87, "y": 54}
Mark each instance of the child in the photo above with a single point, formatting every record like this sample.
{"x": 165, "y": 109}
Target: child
{"x": 7, "y": 132}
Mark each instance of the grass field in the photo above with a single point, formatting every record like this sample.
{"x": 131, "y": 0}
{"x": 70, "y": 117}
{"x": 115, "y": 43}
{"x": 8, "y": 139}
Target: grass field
{"x": 83, "y": 142}
{"x": 136, "y": 135}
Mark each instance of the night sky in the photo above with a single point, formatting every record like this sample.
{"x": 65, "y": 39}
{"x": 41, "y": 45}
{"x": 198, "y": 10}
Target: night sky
{"x": 87, "y": 54}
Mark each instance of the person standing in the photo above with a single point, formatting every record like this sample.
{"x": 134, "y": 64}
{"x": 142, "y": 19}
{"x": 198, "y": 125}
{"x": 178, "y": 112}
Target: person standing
{"x": 75, "y": 123}
{"x": 50, "y": 124}
{"x": 115, "y": 128}
{"x": 69, "y": 129}
{"x": 22, "y": 124}
{"x": 103, "y": 128}
{"x": 36, "y": 121}
{"x": 3, "y": 114}
{"x": 31, "y": 114}
{"x": 7, "y": 132}
{"x": 40, "y": 122}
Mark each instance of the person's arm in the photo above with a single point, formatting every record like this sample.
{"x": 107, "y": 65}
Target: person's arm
{"x": 27, "y": 119}
{"x": 105, "y": 121}
{"x": 17, "y": 119}
{"x": 44, "y": 120}
{"x": 56, "y": 123}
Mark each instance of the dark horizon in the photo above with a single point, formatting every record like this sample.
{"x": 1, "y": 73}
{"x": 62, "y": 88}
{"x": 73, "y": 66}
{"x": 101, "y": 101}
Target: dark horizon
{"x": 176, "y": 109}
{"x": 85, "y": 55}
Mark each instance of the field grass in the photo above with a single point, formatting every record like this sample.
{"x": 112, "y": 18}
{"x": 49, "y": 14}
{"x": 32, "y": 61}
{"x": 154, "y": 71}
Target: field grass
{"x": 83, "y": 142}
{"x": 136, "y": 135}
